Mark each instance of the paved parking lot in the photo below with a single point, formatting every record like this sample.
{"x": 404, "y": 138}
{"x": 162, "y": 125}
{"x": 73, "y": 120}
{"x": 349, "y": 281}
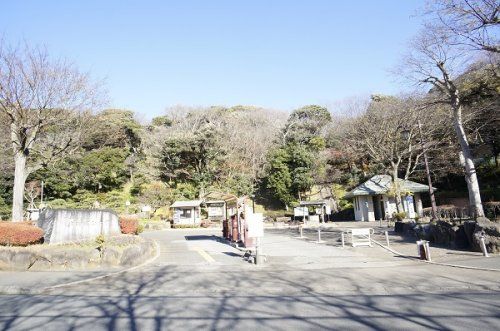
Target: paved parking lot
{"x": 199, "y": 282}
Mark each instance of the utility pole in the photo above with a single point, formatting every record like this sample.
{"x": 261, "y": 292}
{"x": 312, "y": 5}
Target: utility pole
{"x": 41, "y": 195}
{"x": 427, "y": 170}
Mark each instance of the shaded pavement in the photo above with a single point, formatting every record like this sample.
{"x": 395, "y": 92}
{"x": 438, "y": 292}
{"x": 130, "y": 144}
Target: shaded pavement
{"x": 200, "y": 283}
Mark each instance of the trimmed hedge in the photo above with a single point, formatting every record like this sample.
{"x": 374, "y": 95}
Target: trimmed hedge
{"x": 19, "y": 234}
{"x": 129, "y": 225}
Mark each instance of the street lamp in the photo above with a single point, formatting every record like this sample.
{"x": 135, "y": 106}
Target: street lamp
{"x": 405, "y": 134}
{"x": 428, "y": 172}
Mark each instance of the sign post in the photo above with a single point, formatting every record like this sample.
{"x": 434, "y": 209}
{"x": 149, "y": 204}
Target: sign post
{"x": 256, "y": 230}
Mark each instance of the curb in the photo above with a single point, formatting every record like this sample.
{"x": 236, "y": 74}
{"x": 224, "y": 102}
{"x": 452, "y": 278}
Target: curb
{"x": 22, "y": 290}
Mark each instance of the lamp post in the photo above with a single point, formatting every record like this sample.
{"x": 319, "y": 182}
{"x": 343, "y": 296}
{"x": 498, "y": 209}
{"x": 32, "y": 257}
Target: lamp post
{"x": 406, "y": 135}
{"x": 428, "y": 172}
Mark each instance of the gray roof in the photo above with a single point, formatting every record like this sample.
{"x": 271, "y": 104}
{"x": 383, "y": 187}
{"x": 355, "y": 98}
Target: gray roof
{"x": 381, "y": 184}
{"x": 190, "y": 203}
{"x": 313, "y": 203}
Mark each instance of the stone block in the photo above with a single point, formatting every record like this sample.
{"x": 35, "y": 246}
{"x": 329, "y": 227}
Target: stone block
{"x": 131, "y": 256}
{"x": 111, "y": 256}
{"x": 22, "y": 260}
{"x": 491, "y": 232}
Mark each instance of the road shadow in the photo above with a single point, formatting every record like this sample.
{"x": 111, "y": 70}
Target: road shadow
{"x": 175, "y": 297}
{"x": 202, "y": 237}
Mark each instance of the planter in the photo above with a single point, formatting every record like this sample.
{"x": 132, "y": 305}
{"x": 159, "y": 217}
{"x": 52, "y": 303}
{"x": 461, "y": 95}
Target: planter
{"x": 123, "y": 250}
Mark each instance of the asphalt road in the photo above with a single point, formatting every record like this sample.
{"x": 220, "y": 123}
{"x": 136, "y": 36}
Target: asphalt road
{"x": 200, "y": 283}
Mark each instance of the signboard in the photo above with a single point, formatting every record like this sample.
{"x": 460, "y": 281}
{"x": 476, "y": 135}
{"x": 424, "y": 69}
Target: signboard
{"x": 177, "y": 216}
{"x": 215, "y": 211}
{"x": 326, "y": 209}
{"x": 300, "y": 211}
{"x": 255, "y": 225}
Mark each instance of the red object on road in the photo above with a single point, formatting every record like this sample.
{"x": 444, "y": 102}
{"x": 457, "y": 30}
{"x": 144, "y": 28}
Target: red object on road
{"x": 225, "y": 229}
{"x": 249, "y": 242}
{"x": 234, "y": 228}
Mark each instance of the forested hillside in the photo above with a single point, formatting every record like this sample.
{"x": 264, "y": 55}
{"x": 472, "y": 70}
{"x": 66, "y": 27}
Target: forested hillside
{"x": 278, "y": 157}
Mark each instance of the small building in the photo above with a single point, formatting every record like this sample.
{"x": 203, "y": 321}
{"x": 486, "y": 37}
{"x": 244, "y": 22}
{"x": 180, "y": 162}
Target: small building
{"x": 321, "y": 211}
{"x": 373, "y": 200}
{"x": 187, "y": 212}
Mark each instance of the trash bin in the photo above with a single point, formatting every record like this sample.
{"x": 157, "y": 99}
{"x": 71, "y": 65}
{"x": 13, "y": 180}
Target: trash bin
{"x": 225, "y": 232}
{"x": 423, "y": 250}
{"x": 234, "y": 228}
{"x": 249, "y": 242}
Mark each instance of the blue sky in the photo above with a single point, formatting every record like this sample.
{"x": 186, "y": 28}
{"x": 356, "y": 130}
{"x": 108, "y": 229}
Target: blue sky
{"x": 276, "y": 54}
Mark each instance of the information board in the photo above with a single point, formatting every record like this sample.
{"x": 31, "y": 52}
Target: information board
{"x": 255, "y": 225}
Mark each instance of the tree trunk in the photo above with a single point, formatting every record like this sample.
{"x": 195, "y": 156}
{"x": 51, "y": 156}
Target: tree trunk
{"x": 475, "y": 203}
{"x": 19, "y": 182}
{"x": 397, "y": 191}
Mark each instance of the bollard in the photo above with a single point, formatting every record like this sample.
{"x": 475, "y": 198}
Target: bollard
{"x": 343, "y": 240}
{"x": 387, "y": 238}
{"x": 258, "y": 252}
{"x": 424, "y": 250}
{"x": 427, "y": 251}
{"x": 319, "y": 236}
{"x": 301, "y": 232}
{"x": 483, "y": 247}
{"x": 421, "y": 250}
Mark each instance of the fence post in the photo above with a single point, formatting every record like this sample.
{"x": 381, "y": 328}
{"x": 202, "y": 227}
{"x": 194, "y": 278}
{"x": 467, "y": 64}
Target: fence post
{"x": 428, "y": 251}
{"x": 319, "y": 235}
{"x": 483, "y": 247}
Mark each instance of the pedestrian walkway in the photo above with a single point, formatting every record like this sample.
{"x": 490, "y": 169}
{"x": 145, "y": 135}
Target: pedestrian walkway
{"x": 406, "y": 247}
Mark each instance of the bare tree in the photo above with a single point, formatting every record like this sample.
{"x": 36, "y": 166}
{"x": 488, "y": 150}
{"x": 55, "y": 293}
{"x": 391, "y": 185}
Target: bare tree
{"x": 435, "y": 61}
{"x": 45, "y": 102}
{"x": 387, "y": 136}
{"x": 242, "y": 136}
{"x": 469, "y": 23}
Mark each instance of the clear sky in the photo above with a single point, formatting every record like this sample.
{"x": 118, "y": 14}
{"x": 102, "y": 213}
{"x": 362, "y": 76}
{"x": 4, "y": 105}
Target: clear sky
{"x": 277, "y": 54}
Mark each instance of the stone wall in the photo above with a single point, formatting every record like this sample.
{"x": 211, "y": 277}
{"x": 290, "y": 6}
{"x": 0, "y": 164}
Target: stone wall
{"x": 73, "y": 225}
{"x": 124, "y": 250}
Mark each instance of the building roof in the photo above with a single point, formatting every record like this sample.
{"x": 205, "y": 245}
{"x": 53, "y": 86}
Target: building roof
{"x": 381, "y": 184}
{"x": 313, "y": 203}
{"x": 189, "y": 203}
{"x": 214, "y": 202}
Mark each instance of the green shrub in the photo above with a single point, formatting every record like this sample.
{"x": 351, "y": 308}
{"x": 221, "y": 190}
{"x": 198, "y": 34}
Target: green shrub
{"x": 400, "y": 216}
{"x": 140, "y": 228}
{"x": 100, "y": 240}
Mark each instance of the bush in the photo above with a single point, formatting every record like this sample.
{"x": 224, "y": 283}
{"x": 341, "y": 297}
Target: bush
{"x": 140, "y": 228}
{"x": 205, "y": 223}
{"x": 400, "y": 216}
{"x": 100, "y": 240}
{"x": 129, "y": 225}
{"x": 19, "y": 234}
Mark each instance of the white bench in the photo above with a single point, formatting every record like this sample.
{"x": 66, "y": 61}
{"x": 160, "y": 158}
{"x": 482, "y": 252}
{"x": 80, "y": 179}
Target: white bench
{"x": 361, "y": 237}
